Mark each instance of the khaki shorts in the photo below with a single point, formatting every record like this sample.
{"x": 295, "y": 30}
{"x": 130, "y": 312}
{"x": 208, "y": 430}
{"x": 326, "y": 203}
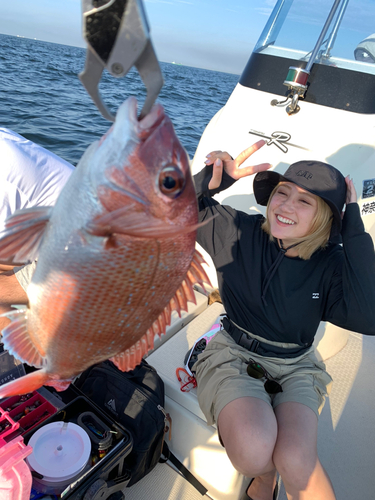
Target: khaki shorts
{"x": 221, "y": 377}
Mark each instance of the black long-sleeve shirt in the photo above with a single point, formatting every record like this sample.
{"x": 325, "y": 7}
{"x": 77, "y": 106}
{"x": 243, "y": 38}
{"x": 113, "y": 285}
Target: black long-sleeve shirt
{"x": 337, "y": 284}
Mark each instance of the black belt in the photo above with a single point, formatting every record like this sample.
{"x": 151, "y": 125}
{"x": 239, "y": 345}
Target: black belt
{"x": 241, "y": 338}
{"x": 244, "y": 340}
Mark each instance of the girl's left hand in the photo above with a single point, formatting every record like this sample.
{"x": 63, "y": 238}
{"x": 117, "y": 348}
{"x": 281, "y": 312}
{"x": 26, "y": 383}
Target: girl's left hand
{"x": 221, "y": 160}
{"x": 351, "y": 194}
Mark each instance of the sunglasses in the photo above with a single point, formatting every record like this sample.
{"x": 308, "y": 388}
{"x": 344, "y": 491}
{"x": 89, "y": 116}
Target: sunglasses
{"x": 255, "y": 370}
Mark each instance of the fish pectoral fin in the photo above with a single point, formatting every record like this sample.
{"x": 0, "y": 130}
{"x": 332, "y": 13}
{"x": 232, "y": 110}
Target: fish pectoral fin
{"x": 20, "y": 240}
{"x": 104, "y": 225}
{"x": 124, "y": 221}
{"x": 17, "y": 341}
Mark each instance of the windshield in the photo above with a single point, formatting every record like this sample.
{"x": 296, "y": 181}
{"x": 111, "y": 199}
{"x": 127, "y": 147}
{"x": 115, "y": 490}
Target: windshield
{"x": 295, "y": 26}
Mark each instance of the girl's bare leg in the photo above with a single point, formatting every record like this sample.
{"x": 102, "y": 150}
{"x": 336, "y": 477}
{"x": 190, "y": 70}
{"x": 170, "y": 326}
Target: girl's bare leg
{"x": 295, "y": 455}
{"x": 248, "y": 429}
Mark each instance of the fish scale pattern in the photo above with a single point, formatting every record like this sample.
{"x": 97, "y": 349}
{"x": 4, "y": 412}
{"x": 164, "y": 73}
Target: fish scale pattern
{"x": 117, "y": 301}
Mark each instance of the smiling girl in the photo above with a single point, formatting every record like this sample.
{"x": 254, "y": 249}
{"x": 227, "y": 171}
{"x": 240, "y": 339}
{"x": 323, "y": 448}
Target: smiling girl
{"x": 279, "y": 276}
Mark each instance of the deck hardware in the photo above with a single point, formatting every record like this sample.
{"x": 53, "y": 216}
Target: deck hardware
{"x": 290, "y": 103}
{"x": 297, "y": 78}
{"x": 275, "y": 102}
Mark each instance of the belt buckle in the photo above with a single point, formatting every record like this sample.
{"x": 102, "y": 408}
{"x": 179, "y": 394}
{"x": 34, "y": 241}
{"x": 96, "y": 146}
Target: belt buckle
{"x": 248, "y": 343}
{"x": 223, "y": 317}
{"x": 254, "y": 345}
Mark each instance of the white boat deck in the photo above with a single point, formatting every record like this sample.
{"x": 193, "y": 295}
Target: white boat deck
{"x": 346, "y": 441}
{"x": 346, "y": 427}
{"x": 346, "y": 435}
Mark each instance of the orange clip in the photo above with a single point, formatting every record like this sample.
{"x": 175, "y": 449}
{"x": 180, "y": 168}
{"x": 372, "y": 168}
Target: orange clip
{"x": 187, "y": 381}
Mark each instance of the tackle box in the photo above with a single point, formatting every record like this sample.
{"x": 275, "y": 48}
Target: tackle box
{"x": 29, "y": 410}
{"x": 106, "y": 474}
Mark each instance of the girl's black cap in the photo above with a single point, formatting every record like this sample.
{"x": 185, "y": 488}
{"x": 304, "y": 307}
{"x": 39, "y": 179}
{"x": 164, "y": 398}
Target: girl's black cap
{"x": 317, "y": 177}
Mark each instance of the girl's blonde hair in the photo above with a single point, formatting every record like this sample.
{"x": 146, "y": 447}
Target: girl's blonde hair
{"x": 320, "y": 229}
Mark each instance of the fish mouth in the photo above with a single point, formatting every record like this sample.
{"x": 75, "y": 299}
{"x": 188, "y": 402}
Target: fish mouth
{"x": 152, "y": 119}
{"x": 135, "y": 131}
{"x": 127, "y": 112}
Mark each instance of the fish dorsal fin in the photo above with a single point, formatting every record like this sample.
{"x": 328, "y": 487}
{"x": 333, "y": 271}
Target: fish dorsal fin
{"x": 130, "y": 358}
{"x": 20, "y": 240}
{"x": 17, "y": 340}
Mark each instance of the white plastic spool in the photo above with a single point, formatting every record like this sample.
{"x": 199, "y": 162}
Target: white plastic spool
{"x": 61, "y": 451}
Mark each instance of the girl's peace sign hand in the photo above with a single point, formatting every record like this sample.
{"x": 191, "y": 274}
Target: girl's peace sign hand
{"x": 222, "y": 160}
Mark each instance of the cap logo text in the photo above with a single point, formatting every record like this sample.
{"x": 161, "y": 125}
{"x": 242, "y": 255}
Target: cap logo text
{"x": 304, "y": 173}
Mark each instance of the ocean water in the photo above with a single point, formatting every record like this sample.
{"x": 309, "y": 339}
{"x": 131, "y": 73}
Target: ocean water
{"x": 42, "y": 98}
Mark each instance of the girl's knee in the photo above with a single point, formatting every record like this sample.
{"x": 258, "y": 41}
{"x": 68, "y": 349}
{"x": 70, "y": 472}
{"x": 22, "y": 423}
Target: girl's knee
{"x": 295, "y": 464}
{"x": 251, "y": 456}
{"x": 248, "y": 429}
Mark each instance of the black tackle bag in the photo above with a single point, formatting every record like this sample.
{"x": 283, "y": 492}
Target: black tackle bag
{"x": 135, "y": 399}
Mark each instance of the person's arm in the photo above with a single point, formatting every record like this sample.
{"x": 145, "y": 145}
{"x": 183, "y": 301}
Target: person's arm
{"x": 9, "y": 265}
{"x": 220, "y": 172}
{"x": 4, "y": 268}
{"x": 11, "y": 293}
{"x": 351, "y": 302}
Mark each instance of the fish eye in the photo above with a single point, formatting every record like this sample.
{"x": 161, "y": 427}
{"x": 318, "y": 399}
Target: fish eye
{"x": 171, "y": 181}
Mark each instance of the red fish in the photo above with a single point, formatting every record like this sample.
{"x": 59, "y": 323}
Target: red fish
{"x": 116, "y": 255}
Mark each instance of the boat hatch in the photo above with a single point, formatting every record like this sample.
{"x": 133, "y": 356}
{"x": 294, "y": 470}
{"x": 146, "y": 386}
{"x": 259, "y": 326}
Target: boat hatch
{"x": 322, "y": 52}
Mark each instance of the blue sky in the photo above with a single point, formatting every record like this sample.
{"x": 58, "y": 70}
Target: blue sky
{"x": 211, "y": 34}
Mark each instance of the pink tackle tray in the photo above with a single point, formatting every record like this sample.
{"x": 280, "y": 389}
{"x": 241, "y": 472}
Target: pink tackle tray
{"x": 27, "y": 414}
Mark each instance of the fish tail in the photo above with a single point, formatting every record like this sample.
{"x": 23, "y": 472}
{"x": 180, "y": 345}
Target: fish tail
{"x": 25, "y": 384}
